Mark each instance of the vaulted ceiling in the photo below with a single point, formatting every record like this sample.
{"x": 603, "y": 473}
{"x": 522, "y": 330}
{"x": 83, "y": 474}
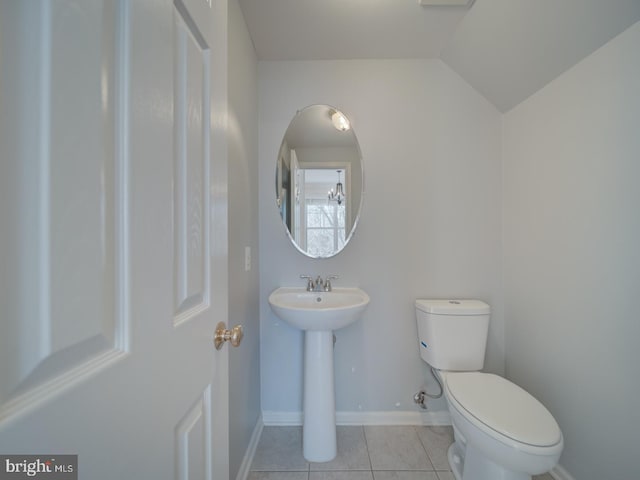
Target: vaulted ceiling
{"x": 506, "y": 49}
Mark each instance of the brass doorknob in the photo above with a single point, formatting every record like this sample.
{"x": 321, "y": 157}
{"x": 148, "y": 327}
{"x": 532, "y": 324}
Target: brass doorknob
{"x": 222, "y": 335}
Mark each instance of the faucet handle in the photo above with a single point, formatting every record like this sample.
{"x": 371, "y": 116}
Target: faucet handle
{"x": 310, "y": 284}
{"x": 327, "y": 282}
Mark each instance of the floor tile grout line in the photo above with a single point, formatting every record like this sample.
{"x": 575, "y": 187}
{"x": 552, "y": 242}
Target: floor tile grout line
{"x": 424, "y": 447}
{"x": 366, "y": 444}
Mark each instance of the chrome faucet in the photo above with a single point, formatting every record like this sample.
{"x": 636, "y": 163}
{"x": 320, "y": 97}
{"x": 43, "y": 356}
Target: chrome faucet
{"x": 310, "y": 284}
{"x": 318, "y": 285}
{"x": 327, "y": 282}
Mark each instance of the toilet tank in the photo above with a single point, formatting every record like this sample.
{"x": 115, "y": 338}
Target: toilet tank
{"x": 452, "y": 334}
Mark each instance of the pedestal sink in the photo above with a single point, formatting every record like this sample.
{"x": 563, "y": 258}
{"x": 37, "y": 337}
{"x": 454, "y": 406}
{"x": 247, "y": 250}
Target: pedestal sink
{"x": 318, "y": 314}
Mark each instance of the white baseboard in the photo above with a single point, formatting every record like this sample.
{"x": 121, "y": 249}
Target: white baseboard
{"x": 440, "y": 417}
{"x": 559, "y": 473}
{"x": 281, "y": 419}
{"x": 394, "y": 418}
{"x": 247, "y": 460}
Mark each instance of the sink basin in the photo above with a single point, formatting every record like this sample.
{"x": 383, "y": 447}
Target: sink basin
{"x": 318, "y": 314}
{"x": 318, "y": 310}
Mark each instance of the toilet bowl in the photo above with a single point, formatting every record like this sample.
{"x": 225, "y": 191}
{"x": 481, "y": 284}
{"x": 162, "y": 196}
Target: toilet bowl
{"x": 501, "y": 431}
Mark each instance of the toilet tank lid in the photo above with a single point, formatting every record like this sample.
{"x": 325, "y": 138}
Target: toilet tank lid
{"x": 453, "y": 307}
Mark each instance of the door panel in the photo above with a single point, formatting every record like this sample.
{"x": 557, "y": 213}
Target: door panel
{"x": 66, "y": 318}
{"x": 193, "y": 441}
{"x": 191, "y": 136}
{"x": 114, "y": 235}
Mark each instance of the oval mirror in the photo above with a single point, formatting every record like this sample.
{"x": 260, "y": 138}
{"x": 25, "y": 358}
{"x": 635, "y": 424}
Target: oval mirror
{"x": 319, "y": 181}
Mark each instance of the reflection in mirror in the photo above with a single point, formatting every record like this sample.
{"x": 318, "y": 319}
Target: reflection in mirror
{"x": 319, "y": 181}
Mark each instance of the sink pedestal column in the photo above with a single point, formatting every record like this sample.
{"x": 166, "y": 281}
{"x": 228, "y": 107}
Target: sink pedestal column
{"x": 319, "y": 430}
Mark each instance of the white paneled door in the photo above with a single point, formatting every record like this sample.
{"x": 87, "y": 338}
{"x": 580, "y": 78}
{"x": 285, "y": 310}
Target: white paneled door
{"x": 113, "y": 235}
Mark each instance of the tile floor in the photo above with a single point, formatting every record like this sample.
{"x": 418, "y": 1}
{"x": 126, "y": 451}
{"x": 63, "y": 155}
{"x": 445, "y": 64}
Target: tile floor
{"x": 364, "y": 453}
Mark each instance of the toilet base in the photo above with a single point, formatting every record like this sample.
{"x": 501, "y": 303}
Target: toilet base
{"x": 456, "y": 460}
{"x": 472, "y": 465}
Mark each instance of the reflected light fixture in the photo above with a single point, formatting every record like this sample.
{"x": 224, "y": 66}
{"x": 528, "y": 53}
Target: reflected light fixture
{"x": 340, "y": 121}
{"x": 337, "y": 196}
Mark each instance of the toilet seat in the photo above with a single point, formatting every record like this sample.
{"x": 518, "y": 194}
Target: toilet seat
{"x": 503, "y": 410}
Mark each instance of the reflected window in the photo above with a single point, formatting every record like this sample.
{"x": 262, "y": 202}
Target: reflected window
{"x": 319, "y": 223}
{"x": 325, "y": 226}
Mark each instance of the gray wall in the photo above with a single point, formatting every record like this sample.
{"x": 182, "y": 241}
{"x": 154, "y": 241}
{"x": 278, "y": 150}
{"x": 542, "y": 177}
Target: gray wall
{"x": 244, "y": 362}
{"x": 430, "y": 225}
{"x": 572, "y": 256}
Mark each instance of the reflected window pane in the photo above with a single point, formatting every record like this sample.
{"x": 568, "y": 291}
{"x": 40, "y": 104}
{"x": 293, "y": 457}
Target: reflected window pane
{"x": 325, "y": 225}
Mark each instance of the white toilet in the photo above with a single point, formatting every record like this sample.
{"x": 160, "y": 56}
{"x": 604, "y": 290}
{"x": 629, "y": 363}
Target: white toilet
{"x": 501, "y": 431}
